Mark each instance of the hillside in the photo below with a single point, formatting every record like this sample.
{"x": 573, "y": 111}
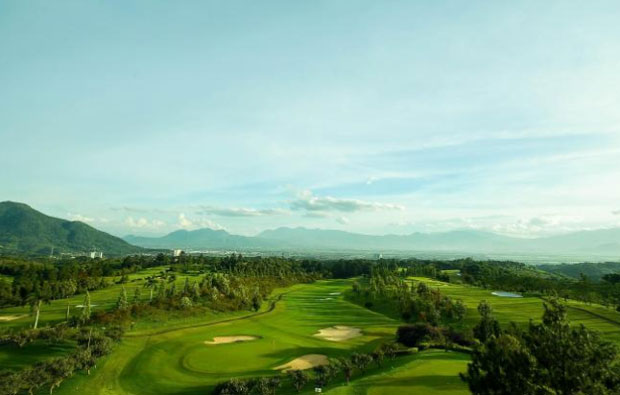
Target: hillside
{"x": 594, "y": 271}
{"x": 26, "y": 230}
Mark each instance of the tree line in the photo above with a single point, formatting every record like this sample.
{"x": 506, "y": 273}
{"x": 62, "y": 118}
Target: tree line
{"x": 322, "y": 375}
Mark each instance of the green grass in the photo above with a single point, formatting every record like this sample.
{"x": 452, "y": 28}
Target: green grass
{"x": 15, "y": 358}
{"x": 432, "y": 372}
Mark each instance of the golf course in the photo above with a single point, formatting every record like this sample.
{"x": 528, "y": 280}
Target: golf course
{"x": 297, "y": 327}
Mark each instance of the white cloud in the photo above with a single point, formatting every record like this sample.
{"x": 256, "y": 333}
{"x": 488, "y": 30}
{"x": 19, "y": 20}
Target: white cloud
{"x": 188, "y": 224}
{"x": 242, "y": 212}
{"x": 307, "y": 201}
{"x": 143, "y": 223}
{"x": 79, "y": 217}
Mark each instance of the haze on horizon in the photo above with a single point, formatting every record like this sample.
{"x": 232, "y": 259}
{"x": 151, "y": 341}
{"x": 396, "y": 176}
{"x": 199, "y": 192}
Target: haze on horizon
{"x": 372, "y": 117}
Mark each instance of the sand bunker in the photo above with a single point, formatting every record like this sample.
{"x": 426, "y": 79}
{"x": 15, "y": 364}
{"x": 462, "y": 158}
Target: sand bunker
{"x": 304, "y": 362}
{"x": 10, "y": 317}
{"x": 339, "y": 333}
{"x": 230, "y": 339}
{"x": 334, "y": 293}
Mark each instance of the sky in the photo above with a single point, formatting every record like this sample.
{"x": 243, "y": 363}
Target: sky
{"x": 144, "y": 117}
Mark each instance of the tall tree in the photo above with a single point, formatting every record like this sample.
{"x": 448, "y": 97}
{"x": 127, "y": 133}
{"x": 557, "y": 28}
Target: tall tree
{"x": 299, "y": 378}
{"x": 86, "y": 308}
{"x": 548, "y": 358}
{"x": 488, "y": 325}
{"x": 122, "y": 302}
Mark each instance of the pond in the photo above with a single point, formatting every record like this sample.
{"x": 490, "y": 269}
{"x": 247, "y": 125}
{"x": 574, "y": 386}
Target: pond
{"x": 505, "y": 294}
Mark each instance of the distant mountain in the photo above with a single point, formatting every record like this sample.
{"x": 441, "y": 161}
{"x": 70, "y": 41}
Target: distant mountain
{"x": 459, "y": 240}
{"x": 26, "y": 230}
{"x": 601, "y": 240}
{"x": 604, "y": 242}
{"x": 201, "y": 239}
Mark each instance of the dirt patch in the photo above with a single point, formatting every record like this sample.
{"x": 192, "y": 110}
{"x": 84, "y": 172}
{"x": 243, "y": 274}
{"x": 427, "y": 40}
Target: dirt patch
{"x": 230, "y": 339}
{"x": 339, "y": 333}
{"x": 4, "y": 318}
{"x": 304, "y": 362}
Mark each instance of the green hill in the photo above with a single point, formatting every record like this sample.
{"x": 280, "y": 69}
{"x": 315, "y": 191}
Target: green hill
{"x": 26, "y": 230}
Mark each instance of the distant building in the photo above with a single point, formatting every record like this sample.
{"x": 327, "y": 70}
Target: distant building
{"x": 177, "y": 252}
{"x": 96, "y": 254}
{"x": 378, "y": 256}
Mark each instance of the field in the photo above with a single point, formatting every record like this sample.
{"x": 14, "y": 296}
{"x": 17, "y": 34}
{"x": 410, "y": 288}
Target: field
{"x": 171, "y": 356}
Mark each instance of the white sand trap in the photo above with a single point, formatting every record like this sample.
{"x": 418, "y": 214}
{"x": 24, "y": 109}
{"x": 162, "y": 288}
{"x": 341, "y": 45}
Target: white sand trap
{"x": 81, "y": 306}
{"x": 339, "y": 333}
{"x": 325, "y": 299}
{"x": 304, "y": 362}
{"x": 230, "y": 339}
{"x": 4, "y": 318}
{"x": 335, "y": 293}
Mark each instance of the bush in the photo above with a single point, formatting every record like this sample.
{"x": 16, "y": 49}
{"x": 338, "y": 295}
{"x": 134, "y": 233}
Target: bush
{"x": 464, "y": 339}
{"x": 412, "y": 335}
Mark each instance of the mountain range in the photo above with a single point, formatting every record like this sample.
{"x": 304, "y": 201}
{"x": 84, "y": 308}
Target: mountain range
{"x": 603, "y": 242}
{"x": 26, "y": 230}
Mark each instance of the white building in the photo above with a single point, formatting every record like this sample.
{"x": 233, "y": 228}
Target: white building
{"x": 96, "y": 254}
{"x": 177, "y": 252}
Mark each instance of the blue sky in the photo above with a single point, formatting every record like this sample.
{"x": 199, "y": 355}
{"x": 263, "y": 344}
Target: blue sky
{"x": 375, "y": 117}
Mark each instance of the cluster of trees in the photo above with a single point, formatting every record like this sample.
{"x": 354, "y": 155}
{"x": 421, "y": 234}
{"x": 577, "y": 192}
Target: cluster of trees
{"x": 415, "y": 301}
{"x": 45, "y": 281}
{"x": 321, "y": 374}
{"x": 258, "y": 386}
{"x": 551, "y": 357}
{"x": 423, "y": 334}
{"x": 92, "y": 344}
{"x": 22, "y": 337}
